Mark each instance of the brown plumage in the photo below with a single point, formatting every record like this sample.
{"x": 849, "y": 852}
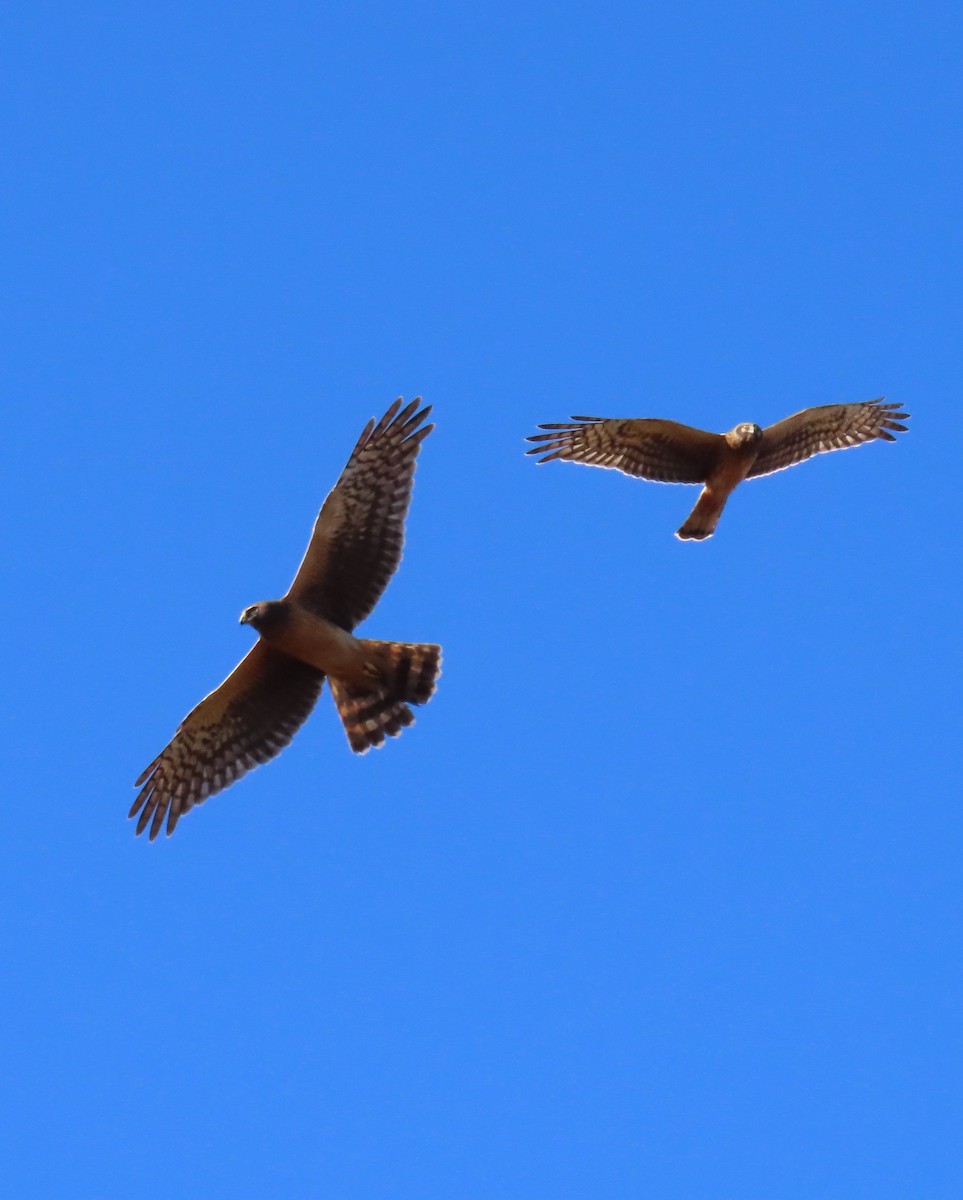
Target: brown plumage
{"x": 668, "y": 452}
{"x": 354, "y": 550}
{"x": 407, "y": 676}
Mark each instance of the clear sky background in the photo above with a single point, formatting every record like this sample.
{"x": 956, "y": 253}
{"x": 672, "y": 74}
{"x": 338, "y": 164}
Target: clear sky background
{"x": 661, "y": 895}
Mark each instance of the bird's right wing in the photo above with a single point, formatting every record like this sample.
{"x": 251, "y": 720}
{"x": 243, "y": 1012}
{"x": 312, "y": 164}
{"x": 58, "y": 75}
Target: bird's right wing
{"x": 646, "y": 447}
{"x": 248, "y": 719}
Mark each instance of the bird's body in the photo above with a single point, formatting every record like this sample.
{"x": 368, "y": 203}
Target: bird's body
{"x": 668, "y": 452}
{"x": 733, "y": 463}
{"x": 310, "y": 638}
{"x": 307, "y": 635}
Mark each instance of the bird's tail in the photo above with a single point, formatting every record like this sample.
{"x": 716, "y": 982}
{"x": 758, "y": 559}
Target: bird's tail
{"x": 403, "y": 673}
{"x": 702, "y": 521}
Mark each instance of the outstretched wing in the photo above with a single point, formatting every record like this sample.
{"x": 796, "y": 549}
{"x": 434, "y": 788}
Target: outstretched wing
{"x": 828, "y": 427}
{"x": 357, "y": 540}
{"x": 651, "y": 449}
{"x": 250, "y": 718}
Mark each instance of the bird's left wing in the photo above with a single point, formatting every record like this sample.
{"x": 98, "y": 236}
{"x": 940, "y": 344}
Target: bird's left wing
{"x": 248, "y": 719}
{"x": 359, "y": 534}
{"x": 828, "y": 427}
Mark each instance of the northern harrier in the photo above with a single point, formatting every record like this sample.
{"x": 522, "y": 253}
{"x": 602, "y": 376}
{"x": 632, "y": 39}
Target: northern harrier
{"x": 671, "y": 453}
{"x": 353, "y": 552}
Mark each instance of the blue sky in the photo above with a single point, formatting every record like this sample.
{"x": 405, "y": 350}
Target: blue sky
{"x": 660, "y": 896}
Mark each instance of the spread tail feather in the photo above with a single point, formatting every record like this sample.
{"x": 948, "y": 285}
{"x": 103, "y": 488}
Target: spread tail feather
{"x": 403, "y": 673}
{"x": 702, "y": 521}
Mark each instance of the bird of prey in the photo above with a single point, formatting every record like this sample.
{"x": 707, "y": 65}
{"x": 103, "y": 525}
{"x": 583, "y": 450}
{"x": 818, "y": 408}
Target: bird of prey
{"x": 672, "y": 453}
{"x": 353, "y": 552}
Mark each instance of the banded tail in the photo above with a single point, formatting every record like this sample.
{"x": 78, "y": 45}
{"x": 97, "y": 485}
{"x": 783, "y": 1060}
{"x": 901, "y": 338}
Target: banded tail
{"x": 403, "y": 673}
{"x": 702, "y": 521}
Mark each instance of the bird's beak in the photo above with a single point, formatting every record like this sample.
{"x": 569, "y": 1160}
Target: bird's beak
{"x": 242, "y": 620}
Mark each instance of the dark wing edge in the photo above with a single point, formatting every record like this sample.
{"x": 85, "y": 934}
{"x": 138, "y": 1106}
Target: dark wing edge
{"x": 358, "y": 537}
{"x": 648, "y": 448}
{"x": 246, "y": 720}
{"x": 825, "y": 428}
{"x": 405, "y": 425}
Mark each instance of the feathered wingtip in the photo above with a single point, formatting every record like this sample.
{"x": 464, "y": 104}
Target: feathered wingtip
{"x": 403, "y": 421}
{"x": 559, "y": 437}
{"x": 154, "y": 803}
{"x": 890, "y": 416}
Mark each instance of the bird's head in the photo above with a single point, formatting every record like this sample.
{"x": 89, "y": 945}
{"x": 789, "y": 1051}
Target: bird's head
{"x": 263, "y": 615}
{"x": 744, "y": 435}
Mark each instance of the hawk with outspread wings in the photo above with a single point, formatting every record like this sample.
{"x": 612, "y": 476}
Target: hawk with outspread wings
{"x": 353, "y": 552}
{"x": 672, "y": 453}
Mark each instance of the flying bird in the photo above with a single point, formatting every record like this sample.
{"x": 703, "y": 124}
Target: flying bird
{"x": 307, "y": 634}
{"x": 672, "y": 453}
